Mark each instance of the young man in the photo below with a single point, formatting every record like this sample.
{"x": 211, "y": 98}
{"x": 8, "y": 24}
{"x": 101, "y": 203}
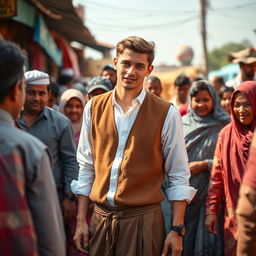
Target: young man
{"x": 130, "y": 139}
{"x": 247, "y": 62}
{"x": 109, "y": 73}
{"x": 181, "y": 88}
{"x": 30, "y": 216}
{"x": 153, "y": 85}
{"x": 97, "y": 86}
{"x": 55, "y": 131}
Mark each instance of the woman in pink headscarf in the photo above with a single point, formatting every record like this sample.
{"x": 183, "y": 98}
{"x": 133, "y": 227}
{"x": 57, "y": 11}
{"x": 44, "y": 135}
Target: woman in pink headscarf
{"x": 72, "y": 103}
{"x": 230, "y": 159}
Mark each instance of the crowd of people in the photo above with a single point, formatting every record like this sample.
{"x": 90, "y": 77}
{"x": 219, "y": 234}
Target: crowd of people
{"x": 110, "y": 168}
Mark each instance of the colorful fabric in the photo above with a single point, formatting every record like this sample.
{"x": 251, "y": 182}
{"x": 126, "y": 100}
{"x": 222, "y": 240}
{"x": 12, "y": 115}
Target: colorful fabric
{"x": 250, "y": 174}
{"x": 230, "y": 159}
{"x": 17, "y": 233}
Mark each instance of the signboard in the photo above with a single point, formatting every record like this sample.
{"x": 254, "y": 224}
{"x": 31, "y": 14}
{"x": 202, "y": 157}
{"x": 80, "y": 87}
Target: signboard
{"x": 8, "y": 8}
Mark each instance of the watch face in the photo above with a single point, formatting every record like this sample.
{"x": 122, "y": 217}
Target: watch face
{"x": 183, "y": 231}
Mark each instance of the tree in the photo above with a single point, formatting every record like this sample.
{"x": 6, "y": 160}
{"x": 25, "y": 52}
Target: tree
{"x": 218, "y": 56}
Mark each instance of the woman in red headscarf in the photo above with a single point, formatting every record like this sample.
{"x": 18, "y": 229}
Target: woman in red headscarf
{"x": 229, "y": 163}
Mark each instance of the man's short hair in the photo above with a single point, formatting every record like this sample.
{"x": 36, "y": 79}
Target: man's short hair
{"x": 108, "y": 67}
{"x": 11, "y": 67}
{"x": 181, "y": 80}
{"x": 137, "y": 44}
{"x": 154, "y": 78}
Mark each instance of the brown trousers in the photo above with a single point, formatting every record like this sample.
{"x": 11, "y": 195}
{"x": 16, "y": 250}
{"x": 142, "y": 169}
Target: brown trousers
{"x": 127, "y": 231}
{"x": 246, "y": 216}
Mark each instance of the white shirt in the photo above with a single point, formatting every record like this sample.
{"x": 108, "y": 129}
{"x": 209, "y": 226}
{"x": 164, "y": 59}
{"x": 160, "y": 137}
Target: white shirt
{"x": 173, "y": 150}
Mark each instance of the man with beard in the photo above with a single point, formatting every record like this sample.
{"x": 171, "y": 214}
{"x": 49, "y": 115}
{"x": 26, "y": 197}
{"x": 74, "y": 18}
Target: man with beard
{"x": 247, "y": 63}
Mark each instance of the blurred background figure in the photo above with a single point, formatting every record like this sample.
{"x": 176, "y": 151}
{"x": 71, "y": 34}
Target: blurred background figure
{"x": 202, "y": 124}
{"x": 247, "y": 63}
{"x": 230, "y": 158}
{"x": 181, "y": 88}
{"x": 153, "y": 85}
{"x": 97, "y": 86}
{"x": 66, "y": 79}
{"x": 225, "y": 96}
{"x": 217, "y": 82}
{"x": 72, "y": 103}
{"x": 109, "y": 73}
{"x": 246, "y": 209}
{"x": 53, "y": 95}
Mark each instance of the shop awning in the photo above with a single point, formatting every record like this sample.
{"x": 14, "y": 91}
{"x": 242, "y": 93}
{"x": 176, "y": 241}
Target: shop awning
{"x": 61, "y": 16}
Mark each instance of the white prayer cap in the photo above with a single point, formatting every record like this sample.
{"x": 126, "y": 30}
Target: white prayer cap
{"x": 67, "y": 72}
{"x": 36, "y": 77}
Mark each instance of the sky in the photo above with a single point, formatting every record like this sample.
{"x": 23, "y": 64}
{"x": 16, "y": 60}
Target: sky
{"x": 170, "y": 24}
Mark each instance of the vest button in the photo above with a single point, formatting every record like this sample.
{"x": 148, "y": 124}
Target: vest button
{"x": 119, "y": 191}
{"x": 125, "y": 157}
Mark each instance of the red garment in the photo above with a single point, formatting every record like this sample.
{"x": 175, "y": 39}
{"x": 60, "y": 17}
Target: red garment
{"x": 230, "y": 158}
{"x": 183, "y": 109}
{"x": 17, "y": 234}
{"x": 250, "y": 174}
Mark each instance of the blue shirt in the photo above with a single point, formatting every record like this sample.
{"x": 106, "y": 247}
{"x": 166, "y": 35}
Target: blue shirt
{"x": 55, "y": 131}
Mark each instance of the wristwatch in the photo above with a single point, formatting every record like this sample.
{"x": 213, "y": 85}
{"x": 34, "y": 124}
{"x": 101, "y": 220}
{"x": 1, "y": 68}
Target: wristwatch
{"x": 71, "y": 197}
{"x": 180, "y": 229}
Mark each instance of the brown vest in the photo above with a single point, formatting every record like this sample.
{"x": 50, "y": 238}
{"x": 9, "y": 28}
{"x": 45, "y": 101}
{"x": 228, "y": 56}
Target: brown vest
{"x": 141, "y": 172}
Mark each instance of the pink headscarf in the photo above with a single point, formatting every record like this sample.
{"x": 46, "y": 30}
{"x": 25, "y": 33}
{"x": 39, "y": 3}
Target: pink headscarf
{"x": 237, "y": 140}
{"x": 65, "y": 98}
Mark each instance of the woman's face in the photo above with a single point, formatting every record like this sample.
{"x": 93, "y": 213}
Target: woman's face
{"x": 225, "y": 101}
{"x": 73, "y": 109}
{"x": 243, "y": 109}
{"x": 202, "y": 103}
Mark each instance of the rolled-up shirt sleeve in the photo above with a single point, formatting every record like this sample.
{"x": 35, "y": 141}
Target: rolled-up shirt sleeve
{"x": 176, "y": 159}
{"x": 86, "y": 175}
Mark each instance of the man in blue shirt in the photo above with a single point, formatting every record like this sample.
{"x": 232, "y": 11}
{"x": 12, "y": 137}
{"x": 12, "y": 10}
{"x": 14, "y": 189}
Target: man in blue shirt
{"x": 55, "y": 131}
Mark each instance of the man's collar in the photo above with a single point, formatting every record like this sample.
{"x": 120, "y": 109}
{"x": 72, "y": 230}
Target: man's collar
{"x": 139, "y": 98}
{"x": 6, "y": 117}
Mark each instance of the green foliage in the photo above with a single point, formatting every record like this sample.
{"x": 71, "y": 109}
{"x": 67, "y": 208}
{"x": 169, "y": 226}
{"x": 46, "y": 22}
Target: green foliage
{"x": 218, "y": 56}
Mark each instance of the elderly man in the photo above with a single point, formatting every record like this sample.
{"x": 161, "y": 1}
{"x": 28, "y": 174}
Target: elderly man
{"x": 30, "y": 217}
{"x": 247, "y": 63}
{"x": 55, "y": 131}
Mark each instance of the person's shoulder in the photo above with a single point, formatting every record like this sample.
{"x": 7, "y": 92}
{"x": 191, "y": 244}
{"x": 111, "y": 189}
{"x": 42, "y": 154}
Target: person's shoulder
{"x": 158, "y": 100}
{"x": 55, "y": 115}
{"x": 225, "y": 130}
{"x": 23, "y": 139}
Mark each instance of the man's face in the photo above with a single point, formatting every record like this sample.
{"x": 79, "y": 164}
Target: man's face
{"x": 182, "y": 92}
{"x": 51, "y": 99}
{"x": 110, "y": 74}
{"x": 248, "y": 70}
{"x": 36, "y": 98}
{"x": 132, "y": 68}
{"x": 153, "y": 87}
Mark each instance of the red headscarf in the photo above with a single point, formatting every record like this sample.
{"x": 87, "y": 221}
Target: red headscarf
{"x": 237, "y": 140}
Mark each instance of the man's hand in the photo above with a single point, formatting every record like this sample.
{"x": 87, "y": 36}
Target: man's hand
{"x": 173, "y": 241}
{"x": 69, "y": 209}
{"x": 197, "y": 167}
{"x": 211, "y": 223}
{"x": 81, "y": 237}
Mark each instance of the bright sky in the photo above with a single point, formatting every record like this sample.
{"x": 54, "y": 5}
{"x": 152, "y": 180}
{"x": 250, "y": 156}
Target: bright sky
{"x": 170, "y": 23}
